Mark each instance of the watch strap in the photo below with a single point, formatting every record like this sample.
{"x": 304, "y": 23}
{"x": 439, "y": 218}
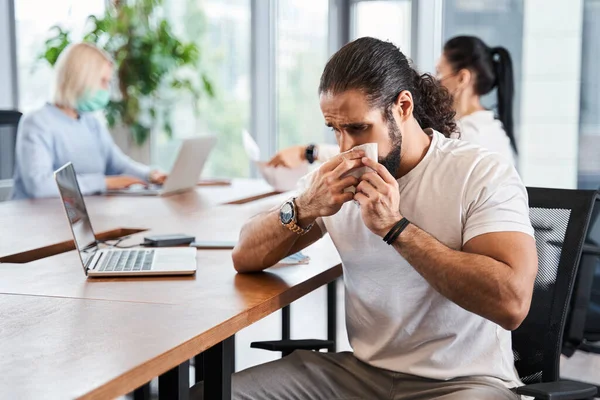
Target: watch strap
{"x": 309, "y": 153}
{"x": 293, "y": 224}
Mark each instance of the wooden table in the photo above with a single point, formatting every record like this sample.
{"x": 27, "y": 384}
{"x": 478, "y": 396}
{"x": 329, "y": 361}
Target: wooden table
{"x": 26, "y": 237}
{"x": 63, "y": 335}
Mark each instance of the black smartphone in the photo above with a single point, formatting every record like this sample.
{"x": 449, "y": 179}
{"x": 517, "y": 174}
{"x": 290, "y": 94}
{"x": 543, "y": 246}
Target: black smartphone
{"x": 168, "y": 240}
{"x": 214, "y": 245}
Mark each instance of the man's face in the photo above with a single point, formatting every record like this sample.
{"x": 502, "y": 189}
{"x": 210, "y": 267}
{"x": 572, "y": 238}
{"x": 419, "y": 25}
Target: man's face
{"x": 354, "y": 122}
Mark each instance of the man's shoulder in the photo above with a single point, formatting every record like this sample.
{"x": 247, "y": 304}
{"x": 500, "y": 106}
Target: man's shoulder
{"x": 465, "y": 155}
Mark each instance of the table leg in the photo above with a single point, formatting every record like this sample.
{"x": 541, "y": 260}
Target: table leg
{"x": 142, "y": 393}
{"x": 285, "y": 323}
{"x": 332, "y": 313}
{"x": 175, "y": 384}
{"x": 219, "y": 361}
{"x": 199, "y": 368}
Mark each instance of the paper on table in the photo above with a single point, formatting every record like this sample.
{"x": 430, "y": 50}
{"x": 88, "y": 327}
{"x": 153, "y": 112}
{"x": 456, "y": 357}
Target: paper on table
{"x": 297, "y": 258}
{"x": 370, "y": 150}
{"x": 282, "y": 179}
{"x": 251, "y": 147}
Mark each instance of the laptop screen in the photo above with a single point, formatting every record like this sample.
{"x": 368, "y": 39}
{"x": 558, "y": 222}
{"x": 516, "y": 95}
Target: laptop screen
{"x": 85, "y": 240}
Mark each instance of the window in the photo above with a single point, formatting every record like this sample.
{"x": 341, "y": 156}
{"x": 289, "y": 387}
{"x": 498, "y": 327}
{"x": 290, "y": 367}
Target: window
{"x": 589, "y": 116}
{"x": 34, "y": 18}
{"x": 385, "y": 20}
{"x": 222, "y": 30}
{"x": 301, "y": 54}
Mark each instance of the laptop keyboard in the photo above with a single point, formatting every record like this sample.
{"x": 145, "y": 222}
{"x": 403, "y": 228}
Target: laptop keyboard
{"x": 128, "y": 260}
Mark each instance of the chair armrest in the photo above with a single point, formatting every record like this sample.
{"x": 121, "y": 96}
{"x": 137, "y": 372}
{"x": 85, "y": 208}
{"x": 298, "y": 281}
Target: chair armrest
{"x": 287, "y": 346}
{"x": 561, "y": 390}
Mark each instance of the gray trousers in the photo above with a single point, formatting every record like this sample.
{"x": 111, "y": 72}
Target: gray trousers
{"x": 308, "y": 375}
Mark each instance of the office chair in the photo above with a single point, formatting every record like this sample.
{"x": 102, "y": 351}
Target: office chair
{"x": 583, "y": 323}
{"x": 582, "y": 331}
{"x": 560, "y": 219}
{"x": 9, "y": 121}
{"x": 287, "y": 346}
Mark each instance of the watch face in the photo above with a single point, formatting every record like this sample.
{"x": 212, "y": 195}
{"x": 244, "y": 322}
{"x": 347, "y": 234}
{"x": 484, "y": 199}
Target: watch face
{"x": 286, "y": 213}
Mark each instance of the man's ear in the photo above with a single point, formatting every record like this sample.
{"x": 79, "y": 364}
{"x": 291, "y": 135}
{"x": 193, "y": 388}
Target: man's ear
{"x": 404, "y": 105}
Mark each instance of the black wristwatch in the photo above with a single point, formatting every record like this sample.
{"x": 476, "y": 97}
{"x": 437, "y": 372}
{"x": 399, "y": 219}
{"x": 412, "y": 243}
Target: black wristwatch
{"x": 310, "y": 153}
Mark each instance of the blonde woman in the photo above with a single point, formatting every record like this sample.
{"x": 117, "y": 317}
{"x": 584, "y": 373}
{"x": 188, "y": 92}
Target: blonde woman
{"x": 66, "y": 130}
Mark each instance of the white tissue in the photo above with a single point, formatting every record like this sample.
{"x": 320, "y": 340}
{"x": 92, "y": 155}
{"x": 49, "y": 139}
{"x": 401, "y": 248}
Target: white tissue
{"x": 370, "y": 150}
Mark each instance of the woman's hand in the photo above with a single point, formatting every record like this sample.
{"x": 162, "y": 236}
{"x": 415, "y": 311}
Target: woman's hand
{"x": 157, "y": 177}
{"x": 122, "y": 182}
{"x": 290, "y": 157}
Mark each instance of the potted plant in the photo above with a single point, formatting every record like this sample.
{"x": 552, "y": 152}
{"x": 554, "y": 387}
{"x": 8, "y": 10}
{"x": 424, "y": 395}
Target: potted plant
{"x": 153, "y": 66}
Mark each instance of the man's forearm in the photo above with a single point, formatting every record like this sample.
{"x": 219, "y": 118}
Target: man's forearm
{"x": 475, "y": 282}
{"x": 263, "y": 242}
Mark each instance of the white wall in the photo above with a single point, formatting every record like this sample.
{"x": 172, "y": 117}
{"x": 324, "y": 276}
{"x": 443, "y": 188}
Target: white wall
{"x": 549, "y": 130}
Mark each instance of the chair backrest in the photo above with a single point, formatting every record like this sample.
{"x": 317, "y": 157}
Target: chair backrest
{"x": 560, "y": 219}
{"x": 592, "y": 320}
{"x": 583, "y": 321}
{"x": 9, "y": 121}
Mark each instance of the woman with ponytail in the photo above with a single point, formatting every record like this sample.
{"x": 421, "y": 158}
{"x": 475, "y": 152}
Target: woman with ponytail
{"x": 469, "y": 69}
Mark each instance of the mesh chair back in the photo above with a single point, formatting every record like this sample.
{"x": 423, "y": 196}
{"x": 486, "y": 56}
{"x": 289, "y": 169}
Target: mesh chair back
{"x": 582, "y": 315}
{"x": 9, "y": 121}
{"x": 592, "y": 320}
{"x": 560, "y": 219}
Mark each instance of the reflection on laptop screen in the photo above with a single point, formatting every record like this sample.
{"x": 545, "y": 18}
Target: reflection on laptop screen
{"x": 85, "y": 240}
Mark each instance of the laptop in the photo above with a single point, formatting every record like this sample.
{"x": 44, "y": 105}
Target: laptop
{"x": 115, "y": 262}
{"x": 185, "y": 173}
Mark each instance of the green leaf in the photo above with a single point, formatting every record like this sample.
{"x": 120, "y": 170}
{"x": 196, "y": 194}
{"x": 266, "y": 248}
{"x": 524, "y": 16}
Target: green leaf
{"x": 168, "y": 129}
{"x": 139, "y": 133}
{"x": 208, "y": 87}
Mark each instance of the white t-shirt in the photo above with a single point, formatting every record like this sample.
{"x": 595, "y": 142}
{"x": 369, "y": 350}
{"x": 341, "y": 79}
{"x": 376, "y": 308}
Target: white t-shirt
{"x": 483, "y": 129}
{"x": 395, "y": 319}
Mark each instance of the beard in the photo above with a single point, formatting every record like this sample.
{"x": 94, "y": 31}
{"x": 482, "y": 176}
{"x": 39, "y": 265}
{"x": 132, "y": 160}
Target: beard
{"x": 392, "y": 161}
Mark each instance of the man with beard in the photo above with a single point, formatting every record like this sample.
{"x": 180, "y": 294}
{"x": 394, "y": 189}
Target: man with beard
{"x": 437, "y": 248}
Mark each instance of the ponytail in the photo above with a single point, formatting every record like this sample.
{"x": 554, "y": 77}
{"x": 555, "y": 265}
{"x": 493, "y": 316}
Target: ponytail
{"x": 505, "y": 91}
{"x": 433, "y": 106}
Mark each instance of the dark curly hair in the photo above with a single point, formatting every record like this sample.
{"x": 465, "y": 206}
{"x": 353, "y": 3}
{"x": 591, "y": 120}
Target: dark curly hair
{"x": 381, "y": 71}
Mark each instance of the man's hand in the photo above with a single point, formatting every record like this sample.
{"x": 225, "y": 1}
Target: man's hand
{"x": 325, "y": 196}
{"x": 290, "y": 157}
{"x": 379, "y": 198}
{"x": 157, "y": 177}
{"x": 122, "y": 182}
